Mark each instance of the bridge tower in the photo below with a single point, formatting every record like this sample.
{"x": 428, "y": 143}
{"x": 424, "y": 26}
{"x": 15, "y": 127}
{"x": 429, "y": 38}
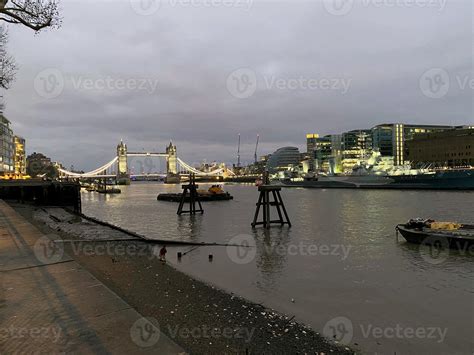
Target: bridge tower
{"x": 123, "y": 177}
{"x": 172, "y": 175}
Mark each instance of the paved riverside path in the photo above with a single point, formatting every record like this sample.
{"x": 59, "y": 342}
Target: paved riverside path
{"x": 50, "y": 304}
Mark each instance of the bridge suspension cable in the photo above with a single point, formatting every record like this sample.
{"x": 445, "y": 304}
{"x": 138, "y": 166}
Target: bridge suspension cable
{"x": 98, "y": 171}
{"x": 189, "y": 168}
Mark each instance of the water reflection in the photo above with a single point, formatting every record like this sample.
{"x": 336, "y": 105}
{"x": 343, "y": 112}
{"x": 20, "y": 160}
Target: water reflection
{"x": 189, "y": 227}
{"x": 374, "y": 280}
{"x": 272, "y": 246}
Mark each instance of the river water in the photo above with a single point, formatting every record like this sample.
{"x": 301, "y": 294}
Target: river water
{"x": 339, "y": 268}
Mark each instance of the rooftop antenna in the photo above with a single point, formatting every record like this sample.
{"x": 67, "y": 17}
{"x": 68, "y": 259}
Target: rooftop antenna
{"x": 238, "y": 153}
{"x": 256, "y": 146}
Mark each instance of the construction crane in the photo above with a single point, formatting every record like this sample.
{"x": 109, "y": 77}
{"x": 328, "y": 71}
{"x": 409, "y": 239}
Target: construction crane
{"x": 238, "y": 153}
{"x": 256, "y": 146}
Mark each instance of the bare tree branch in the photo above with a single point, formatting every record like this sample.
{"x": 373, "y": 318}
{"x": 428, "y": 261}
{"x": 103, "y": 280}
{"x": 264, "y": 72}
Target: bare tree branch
{"x": 7, "y": 64}
{"x": 34, "y": 14}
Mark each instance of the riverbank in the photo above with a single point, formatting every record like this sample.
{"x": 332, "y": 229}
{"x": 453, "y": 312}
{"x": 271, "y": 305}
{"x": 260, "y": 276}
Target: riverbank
{"x": 197, "y": 316}
{"x": 52, "y": 305}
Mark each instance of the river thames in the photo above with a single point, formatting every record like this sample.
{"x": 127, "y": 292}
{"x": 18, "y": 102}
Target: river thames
{"x": 339, "y": 269}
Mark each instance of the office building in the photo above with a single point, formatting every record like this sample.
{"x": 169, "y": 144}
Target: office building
{"x": 311, "y": 147}
{"x": 390, "y": 139}
{"x": 7, "y": 150}
{"x": 356, "y": 146}
{"x": 450, "y": 148}
{"x": 20, "y": 156}
{"x": 283, "y": 159}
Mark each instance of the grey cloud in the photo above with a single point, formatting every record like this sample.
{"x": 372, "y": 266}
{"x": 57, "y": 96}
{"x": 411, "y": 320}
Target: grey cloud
{"x": 192, "y": 50}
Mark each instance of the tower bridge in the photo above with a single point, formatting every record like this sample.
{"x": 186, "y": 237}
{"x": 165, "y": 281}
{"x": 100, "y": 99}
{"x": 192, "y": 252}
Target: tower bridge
{"x": 118, "y": 167}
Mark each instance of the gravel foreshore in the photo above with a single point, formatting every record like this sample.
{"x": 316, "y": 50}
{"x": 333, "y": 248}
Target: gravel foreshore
{"x": 199, "y": 317}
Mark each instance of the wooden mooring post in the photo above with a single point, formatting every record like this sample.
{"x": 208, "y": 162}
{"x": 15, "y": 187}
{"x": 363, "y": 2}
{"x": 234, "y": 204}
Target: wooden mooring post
{"x": 265, "y": 202}
{"x": 190, "y": 188}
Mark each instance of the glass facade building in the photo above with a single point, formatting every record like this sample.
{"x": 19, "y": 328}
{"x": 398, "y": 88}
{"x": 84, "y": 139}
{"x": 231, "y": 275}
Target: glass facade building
{"x": 20, "y": 156}
{"x": 356, "y": 146}
{"x": 283, "y": 159}
{"x": 390, "y": 139}
{"x": 337, "y": 153}
{"x": 7, "y": 150}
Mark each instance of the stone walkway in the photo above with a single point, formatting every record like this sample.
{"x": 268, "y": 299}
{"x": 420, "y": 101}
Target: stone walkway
{"x": 50, "y": 304}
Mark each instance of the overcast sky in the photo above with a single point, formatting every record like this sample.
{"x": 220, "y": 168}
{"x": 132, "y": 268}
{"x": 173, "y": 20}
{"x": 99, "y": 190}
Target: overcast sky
{"x": 201, "y": 71}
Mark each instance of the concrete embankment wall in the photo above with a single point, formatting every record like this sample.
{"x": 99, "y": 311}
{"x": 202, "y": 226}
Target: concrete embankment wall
{"x": 45, "y": 193}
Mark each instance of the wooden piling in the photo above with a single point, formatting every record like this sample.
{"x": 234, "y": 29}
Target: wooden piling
{"x": 190, "y": 188}
{"x": 264, "y": 202}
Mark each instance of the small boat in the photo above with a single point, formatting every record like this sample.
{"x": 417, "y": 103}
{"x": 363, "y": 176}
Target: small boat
{"x": 110, "y": 190}
{"x": 214, "y": 193}
{"x": 439, "y": 234}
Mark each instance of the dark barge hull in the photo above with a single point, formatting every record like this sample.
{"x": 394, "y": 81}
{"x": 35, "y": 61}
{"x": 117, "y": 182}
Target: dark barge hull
{"x": 202, "y": 198}
{"x": 442, "y": 180}
{"x": 457, "y": 239}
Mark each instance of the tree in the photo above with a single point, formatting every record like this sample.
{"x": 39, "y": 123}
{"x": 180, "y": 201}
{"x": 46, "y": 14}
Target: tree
{"x": 7, "y": 64}
{"x": 34, "y": 14}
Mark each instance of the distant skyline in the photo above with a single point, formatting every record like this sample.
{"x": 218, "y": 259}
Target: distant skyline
{"x": 152, "y": 71}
